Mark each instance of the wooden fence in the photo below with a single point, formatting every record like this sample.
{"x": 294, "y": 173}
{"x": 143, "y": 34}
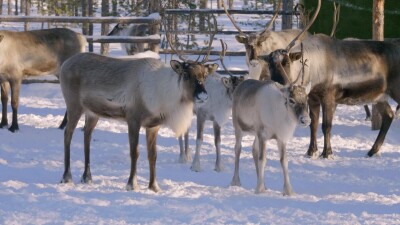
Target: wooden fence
{"x": 154, "y": 38}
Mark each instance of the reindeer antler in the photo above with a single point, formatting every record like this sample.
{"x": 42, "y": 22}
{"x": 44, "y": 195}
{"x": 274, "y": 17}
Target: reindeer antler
{"x": 269, "y": 24}
{"x": 231, "y": 18}
{"x": 222, "y": 55}
{"x": 336, "y": 17}
{"x": 167, "y": 35}
{"x": 293, "y": 42}
{"x": 212, "y": 34}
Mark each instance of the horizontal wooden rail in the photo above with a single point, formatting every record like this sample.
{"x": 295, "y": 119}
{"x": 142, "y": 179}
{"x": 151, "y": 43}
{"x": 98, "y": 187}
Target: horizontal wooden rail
{"x": 65, "y": 19}
{"x": 199, "y": 52}
{"x": 231, "y": 11}
{"x": 152, "y": 39}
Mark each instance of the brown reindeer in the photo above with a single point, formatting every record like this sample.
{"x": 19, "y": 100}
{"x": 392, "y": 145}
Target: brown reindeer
{"x": 342, "y": 72}
{"x": 32, "y": 53}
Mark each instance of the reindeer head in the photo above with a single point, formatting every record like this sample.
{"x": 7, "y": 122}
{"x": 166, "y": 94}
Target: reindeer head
{"x": 117, "y": 29}
{"x": 231, "y": 83}
{"x": 280, "y": 61}
{"x": 253, "y": 41}
{"x": 296, "y": 101}
{"x": 194, "y": 74}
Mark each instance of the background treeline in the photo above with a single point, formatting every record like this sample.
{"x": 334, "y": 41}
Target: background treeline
{"x": 355, "y": 18}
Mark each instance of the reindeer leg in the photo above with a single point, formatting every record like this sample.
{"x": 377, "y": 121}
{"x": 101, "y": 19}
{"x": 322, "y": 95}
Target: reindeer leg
{"x": 260, "y": 165}
{"x": 199, "y": 141}
{"x": 238, "y": 148}
{"x": 367, "y": 113}
{"x": 73, "y": 119}
{"x": 314, "y": 106}
{"x": 187, "y": 149}
{"x": 90, "y": 122}
{"x": 64, "y": 122}
{"x": 15, "y": 87}
{"x": 4, "y": 102}
{"x": 217, "y": 142}
{"x": 151, "y": 140}
{"x": 184, "y": 153}
{"x": 387, "y": 118}
{"x": 287, "y": 187}
{"x": 328, "y": 106}
{"x": 133, "y": 133}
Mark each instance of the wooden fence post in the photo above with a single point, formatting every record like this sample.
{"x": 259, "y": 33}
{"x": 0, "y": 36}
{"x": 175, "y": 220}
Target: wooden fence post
{"x": 377, "y": 34}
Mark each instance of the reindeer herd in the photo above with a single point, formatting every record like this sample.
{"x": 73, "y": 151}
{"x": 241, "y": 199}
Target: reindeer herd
{"x": 292, "y": 74}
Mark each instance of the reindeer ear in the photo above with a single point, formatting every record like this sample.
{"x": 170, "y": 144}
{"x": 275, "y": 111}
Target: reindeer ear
{"x": 263, "y": 36}
{"x": 241, "y": 39}
{"x": 176, "y": 66}
{"x": 294, "y": 56}
{"x": 211, "y": 68}
{"x": 308, "y": 88}
{"x": 227, "y": 82}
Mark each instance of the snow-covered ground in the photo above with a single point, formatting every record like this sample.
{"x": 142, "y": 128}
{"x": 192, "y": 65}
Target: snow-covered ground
{"x": 349, "y": 189}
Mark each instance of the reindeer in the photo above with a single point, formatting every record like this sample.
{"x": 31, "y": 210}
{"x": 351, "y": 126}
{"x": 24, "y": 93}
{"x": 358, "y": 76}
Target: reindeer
{"x": 217, "y": 109}
{"x": 143, "y": 92}
{"x": 262, "y": 43}
{"x": 131, "y": 30}
{"x": 268, "y": 111}
{"x": 32, "y": 53}
{"x": 342, "y": 72}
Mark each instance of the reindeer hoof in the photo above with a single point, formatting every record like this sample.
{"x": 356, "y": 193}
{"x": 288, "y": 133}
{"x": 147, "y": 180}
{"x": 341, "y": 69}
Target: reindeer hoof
{"x": 155, "y": 188}
{"x": 131, "y": 187}
{"x": 218, "y": 168}
{"x": 13, "y": 128}
{"x": 371, "y": 154}
{"x": 195, "y": 166}
{"x": 313, "y": 155}
{"x": 236, "y": 182}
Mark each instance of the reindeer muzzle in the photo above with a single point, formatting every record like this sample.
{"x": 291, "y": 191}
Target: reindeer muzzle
{"x": 200, "y": 94}
{"x": 304, "y": 121}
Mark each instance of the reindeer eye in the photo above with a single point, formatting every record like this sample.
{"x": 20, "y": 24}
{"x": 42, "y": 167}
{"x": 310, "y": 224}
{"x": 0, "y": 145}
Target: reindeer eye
{"x": 292, "y": 101}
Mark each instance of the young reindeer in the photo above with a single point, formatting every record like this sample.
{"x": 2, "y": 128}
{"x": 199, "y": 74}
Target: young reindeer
{"x": 262, "y": 43}
{"x": 131, "y": 30}
{"x": 217, "y": 109}
{"x": 143, "y": 92}
{"x": 267, "y": 110}
{"x": 32, "y": 53}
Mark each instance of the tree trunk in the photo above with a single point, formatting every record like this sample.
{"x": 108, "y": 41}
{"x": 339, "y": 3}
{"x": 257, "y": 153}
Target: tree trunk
{"x": 90, "y": 10}
{"x": 287, "y": 19}
{"x": 1, "y": 8}
{"x": 154, "y": 6}
{"x": 16, "y": 8}
{"x": 202, "y": 18}
{"x": 9, "y": 8}
{"x": 105, "y": 8}
{"x": 22, "y": 6}
{"x": 114, "y": 7}
{"x": 27, "y": 12}
{"x": 377, "y": 34}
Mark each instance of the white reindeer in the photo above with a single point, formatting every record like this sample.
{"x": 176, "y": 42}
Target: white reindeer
{"x": 143, "y": 92}
{"x": 131, "y": 30}
{"x": 32, "y": 53}
{"x": 217, "y": 109}
{"x": 268, "y": 111}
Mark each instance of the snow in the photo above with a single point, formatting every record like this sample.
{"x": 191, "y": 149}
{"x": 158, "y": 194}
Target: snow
{"x": 348, "y": 189}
